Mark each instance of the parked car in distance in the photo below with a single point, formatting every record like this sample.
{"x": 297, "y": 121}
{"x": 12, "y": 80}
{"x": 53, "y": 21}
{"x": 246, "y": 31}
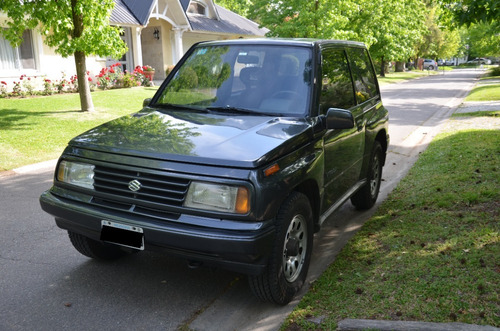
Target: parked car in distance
{"x": 480, "y": 60}
{"x": 241, "y": 155}
{"x": 442, "y": 62}
{"x": 430, "y": 64}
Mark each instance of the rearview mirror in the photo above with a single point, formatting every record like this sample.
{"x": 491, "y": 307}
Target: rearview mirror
{"x": 146, "y": 102}
{"x": 337, "y": 118}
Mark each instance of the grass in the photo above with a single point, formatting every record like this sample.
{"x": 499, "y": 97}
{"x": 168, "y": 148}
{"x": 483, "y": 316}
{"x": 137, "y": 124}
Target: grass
{"x": 38, "y": 129}
{"x": 486, "y": 91}
{"x": 430, "y": 253}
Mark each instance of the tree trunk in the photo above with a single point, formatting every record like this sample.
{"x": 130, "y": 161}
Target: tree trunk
{"x": 83, "y": 85}
{"x": 382, "y": 67}
{"x": 81, "y": 67}
{"x": 400, "y": 66}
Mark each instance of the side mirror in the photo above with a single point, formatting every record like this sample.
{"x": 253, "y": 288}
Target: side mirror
{"x": 146, "y": 102}
{"x": 337, "y": 118}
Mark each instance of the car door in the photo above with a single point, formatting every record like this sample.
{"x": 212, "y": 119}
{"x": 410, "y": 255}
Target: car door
{"x": 343, "y": 148}
{"x": 367, "y": 99}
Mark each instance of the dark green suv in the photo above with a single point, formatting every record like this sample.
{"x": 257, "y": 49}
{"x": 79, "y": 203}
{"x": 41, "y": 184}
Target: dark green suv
{"x": 245, "y": 150}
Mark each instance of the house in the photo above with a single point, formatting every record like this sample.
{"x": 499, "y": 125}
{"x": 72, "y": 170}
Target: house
{"x": 157, "y": 33}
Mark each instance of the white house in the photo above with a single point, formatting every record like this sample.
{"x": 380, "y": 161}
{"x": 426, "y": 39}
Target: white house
{"x": 157, "y": 32}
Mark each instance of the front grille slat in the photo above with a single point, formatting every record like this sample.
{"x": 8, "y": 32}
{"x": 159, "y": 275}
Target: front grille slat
{"x": 164, "y": 191}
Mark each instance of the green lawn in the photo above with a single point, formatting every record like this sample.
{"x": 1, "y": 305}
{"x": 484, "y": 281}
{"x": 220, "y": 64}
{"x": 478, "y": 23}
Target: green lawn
{"x": 485, "y": 92}
{"x": 37, "y": 129}
{"x": 430, "y": 253}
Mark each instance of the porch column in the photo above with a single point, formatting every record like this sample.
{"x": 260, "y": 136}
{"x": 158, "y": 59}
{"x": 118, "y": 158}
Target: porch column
{"x": 138, "y": 47}
{"x": 179, "y": 50}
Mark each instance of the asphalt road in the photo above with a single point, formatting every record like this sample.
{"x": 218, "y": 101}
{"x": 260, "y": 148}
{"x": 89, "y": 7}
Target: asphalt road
{"x": 46, "y": 285}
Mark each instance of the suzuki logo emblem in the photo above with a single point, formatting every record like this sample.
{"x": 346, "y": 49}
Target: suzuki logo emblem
{"x": 134, "y": 185}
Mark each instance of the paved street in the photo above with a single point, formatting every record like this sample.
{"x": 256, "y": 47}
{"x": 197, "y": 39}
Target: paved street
{"x": 45, "y": 284}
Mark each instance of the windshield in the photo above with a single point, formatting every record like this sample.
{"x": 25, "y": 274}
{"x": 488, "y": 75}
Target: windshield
{"x": 251, "y": 78}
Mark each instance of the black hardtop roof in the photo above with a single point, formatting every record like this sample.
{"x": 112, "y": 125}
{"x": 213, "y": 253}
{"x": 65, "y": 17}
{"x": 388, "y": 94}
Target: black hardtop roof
{"x": 285, "y": 42}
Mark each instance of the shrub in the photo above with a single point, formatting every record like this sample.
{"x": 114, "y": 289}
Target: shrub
{"x": 495, "y": 71}
{"x": 28, "y": 84}
{"x": 48, "y": 87}
{"x": 3, "y": 89}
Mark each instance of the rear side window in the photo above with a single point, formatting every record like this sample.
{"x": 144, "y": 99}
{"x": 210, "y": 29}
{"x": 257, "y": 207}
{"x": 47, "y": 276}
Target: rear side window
{"x": 363, "y": 74}
{"x": 336, "y": 89}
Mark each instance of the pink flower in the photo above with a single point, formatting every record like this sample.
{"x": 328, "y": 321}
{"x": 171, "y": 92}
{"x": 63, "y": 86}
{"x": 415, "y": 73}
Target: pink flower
{"x": 4, "y": 83}
{"x": 90, "y": 79}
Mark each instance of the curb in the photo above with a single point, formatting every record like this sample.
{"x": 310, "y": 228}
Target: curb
{"x": 46, "y": 165}
{"x": 362, "y": 324}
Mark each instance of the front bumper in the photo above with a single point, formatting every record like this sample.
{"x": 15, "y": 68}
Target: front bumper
{"x": 242, "y": 249}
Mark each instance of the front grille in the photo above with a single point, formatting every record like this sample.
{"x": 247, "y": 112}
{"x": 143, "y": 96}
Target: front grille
{"x": 153, "y": 199}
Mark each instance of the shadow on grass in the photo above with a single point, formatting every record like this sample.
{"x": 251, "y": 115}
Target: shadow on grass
{"x": 11, "y": 119}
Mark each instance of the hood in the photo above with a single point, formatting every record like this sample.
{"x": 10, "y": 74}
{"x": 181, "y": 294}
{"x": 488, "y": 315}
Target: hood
{"x": 196, "y": 137}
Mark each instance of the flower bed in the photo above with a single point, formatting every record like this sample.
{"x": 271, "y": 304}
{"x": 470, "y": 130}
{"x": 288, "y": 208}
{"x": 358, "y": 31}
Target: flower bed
{"x": 109, "y": 77}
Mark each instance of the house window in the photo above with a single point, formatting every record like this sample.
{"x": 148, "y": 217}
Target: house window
{"x": 21, "y": 57}
{"x": 197, "y": 8}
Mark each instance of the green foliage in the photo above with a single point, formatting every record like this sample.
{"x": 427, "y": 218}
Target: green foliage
{"x": 327, "y": 19}
{"x": 393, "y": 30}
{"x": 440, "y": 41}
{"x": 56, "y": 22}
{"x": 483, "y": 39}
{"x": 467, "y": 12}
{"x": 240, "y": 7}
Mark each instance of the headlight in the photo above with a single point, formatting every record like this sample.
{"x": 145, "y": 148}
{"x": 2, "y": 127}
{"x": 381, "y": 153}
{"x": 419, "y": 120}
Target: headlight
{"x": 225, "y": 198}
{"x": 79, "y": 174}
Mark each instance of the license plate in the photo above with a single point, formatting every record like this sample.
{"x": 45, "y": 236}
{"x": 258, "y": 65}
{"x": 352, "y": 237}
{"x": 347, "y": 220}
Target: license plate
{"x": 122, "y": 234}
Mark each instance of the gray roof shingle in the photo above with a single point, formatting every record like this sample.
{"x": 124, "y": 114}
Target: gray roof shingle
{"x": 121, "y": 14}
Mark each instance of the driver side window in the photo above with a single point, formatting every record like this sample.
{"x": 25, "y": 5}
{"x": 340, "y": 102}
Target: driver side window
{"x": 337, "y": 89}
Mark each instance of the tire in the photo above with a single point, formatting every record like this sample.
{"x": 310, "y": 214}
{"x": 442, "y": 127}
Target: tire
{"x": 366, "y": 197}
{"x": 95, "y": 249}
{"x": 430, "y": 68}
{"x": 289, "y": 261}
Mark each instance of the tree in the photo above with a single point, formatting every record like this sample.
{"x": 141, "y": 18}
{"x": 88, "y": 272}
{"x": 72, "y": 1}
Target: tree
{"x": 483, "y": 39}
{"x": 474, "y": 11}
{"x": 328, "y": 19}
{"x": 72, "y": 27}
{"x": 391, "y": 29}
{"x": 241, "y": 7}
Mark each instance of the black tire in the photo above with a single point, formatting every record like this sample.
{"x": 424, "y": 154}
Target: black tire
{"x": 95, "y": 249}
{"x": 366, "y": 197}
{"x": 289, "y": 261}
{"x": 430, "y": 68}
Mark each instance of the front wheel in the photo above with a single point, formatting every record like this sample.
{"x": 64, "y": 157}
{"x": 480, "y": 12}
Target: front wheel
{"x": 289, "y": 260}
{"x": 95, "y": 249}
{"x": 366, "y": 197}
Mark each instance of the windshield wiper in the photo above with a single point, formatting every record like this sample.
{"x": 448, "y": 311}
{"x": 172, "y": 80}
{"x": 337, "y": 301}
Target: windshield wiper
{"x": 178, "y": 107}
{"x": 230, "y": 109}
